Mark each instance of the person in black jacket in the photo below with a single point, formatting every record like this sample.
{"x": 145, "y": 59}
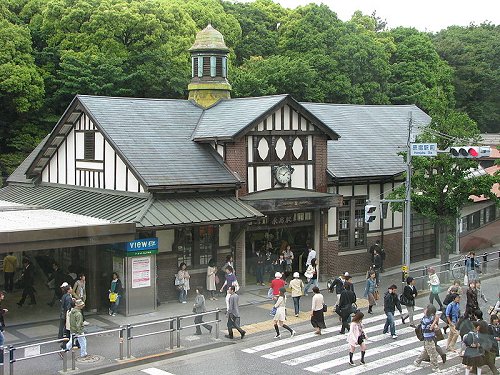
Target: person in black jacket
{"x": 66, "y": 301}
{"x": 377, "y": 266}
{"x": 391, "y": 302}
{"x": 57, "y": 277}
{"x": 409, "y": 295}
{"x": 28, "y": 280}
{"x": 347, "y": 298}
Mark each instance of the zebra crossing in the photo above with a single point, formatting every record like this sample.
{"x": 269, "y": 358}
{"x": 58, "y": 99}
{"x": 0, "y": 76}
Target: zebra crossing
{"x": 327, "y": 354}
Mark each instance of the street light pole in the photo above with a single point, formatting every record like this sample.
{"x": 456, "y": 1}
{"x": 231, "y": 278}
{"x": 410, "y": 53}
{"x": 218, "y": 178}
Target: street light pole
{"x": 407, "y": 220}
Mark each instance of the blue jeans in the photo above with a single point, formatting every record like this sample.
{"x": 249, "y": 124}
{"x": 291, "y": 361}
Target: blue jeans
{"x": 182, "y": 295}
{"x": 296, "y": 304}
{"x": 390, "y": 322}
{"x": 309, "y": 283}
{"x": 114, "y": 305}
{"x": 259, "y": 274}
{"x": 82, "y": 340}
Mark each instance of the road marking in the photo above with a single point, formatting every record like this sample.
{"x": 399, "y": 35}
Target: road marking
{"x": 309, "y": 335}
{"x": 393, "y": 344}
{"x": 412, "y": 368}
{"x": 156, "y": 371}
{"x": 329, "y": 340}
{"x": 323, "y": 353}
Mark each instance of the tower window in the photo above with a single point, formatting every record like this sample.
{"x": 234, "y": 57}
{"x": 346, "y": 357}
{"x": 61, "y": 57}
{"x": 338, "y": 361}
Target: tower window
{"x": 206, "y": 66}
{"x": 89, "y": 146}
{"x": 213, "y": 62}
{"x": 199, "y": 66}
{"x": 194, "y": 71}
{"x": 218, "y": 70}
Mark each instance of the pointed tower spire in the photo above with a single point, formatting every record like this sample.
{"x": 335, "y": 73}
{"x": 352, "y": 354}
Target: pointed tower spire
{"x": 209, "y": 68}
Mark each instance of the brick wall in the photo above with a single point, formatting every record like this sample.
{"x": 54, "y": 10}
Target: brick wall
{"x": 333, "y": 264}
{"x": 321, "y": 158}
{"x": 236, "y": 160}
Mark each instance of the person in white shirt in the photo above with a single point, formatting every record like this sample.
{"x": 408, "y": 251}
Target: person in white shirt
{"x": 310, "y": 255}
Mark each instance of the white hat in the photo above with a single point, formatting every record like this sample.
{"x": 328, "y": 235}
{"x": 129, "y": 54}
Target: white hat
{"x": 64, "y": 284}
{"x": 277, "y": 275}
{"x": 296, "y": 275}
{"x": 79, "y": 302}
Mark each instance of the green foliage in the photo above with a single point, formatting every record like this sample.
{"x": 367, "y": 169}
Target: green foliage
{"x": 474, "y": 53}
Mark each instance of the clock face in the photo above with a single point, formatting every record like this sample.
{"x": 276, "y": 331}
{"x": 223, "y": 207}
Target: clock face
{"x": 283, "y": 174}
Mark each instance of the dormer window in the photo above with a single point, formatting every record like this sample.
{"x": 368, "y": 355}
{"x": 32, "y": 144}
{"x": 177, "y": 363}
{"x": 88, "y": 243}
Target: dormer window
{"x": 89, "y": 146}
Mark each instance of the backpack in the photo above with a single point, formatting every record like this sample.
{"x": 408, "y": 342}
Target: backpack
{"x": 419, "y": 333}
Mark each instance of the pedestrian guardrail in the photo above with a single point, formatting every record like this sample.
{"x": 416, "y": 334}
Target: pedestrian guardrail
{"x": 37, "y": 345}
{"x": 121, "y": 332}
{"x": 455, "y": 269}
{"x": 174, "y": 325}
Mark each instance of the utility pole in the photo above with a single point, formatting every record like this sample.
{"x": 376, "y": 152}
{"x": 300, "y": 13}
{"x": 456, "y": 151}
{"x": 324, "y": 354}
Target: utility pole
{"x": 407, "y": 219}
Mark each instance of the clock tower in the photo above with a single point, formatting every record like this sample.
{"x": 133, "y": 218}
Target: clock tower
{"x": 209, "y": 68}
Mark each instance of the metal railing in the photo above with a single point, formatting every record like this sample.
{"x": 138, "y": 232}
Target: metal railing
{"x": 120, "y": 330}
{"x": 174, "y": 325}
{"x": 455, "y": 269}
{"x": 12, "y": 349}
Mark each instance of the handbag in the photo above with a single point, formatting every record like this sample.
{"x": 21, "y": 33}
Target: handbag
{"x": 273, "y": 311}
{"x": 113, "y": 297}
{"x": 325, "y": 307}
{"x": 376, "y": 295}
{"x": 439, "y": 334}
{"x": 361, "y": 338}
{"x": 435, "y": 289}
{"x": 403, "y": 300}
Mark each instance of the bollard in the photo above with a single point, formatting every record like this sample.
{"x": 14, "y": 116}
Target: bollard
{"x": 1, "y": 360}
{"x": 217, "y": 320}
{"x": 122, "y": 329}
{"x": 73, "y": 358}
{"x": 484, "y": 266}
{"x": 171, "y": 334}
{"x": 65, "y": 361}
{"x": 129, "y": 340}
{"x": 11, "y": 359}
{"x": 179, "y": 332}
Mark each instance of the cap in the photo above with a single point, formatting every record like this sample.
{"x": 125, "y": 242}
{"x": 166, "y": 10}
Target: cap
{"x": 277, "y": 275}
{"x": 346, "y": 274}
{"x": 393, "y": 286}
{"x": 79, "y": 302}
{"x": 64, "y": 284}
{"x": 296, "y": 275}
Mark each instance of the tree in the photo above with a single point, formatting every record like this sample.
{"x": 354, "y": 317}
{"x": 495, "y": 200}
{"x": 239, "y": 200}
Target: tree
{"x": 474, "y": 53}
{"x": 442, "y": 185}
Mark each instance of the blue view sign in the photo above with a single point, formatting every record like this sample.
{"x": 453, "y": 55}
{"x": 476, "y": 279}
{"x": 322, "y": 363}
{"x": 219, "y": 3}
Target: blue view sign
{"x": 144, "y": 244}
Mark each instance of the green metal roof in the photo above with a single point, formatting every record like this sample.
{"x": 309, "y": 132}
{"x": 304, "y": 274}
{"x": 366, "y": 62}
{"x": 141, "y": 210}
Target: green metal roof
{"x": 196, "y": 210}
{"x": 209, "y": 39}
{"x": 140, "y": 208}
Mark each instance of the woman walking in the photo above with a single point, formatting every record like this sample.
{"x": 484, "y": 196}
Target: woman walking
{"x": 297, "y": 286}
{"x": 199, "y": 307}
{"x": 472, "y": 303}
{"x": 211, "y": 278}
{"x": 408, "y": 299}
{"x": 280, "y": 316}
{"x": 317, "y": 316}
{"x": 115, "y": 293}
{"x": 182, "y": 282}
{"x": 371, "y": 286}
{"x": 356, "y": 337}
{"x": 230, "y": 281}
{"x": 435, "y": 287}
{"x": 80, "y": 292}
{"x": 477, "y": 343}
{"x": 347, "y": 298}
{"x": 312, "y": 275}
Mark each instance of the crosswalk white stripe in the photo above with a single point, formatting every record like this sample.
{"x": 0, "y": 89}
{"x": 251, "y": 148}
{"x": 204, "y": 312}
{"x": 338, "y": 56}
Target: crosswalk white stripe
{"x": 306, "y": 336}
{"x": 393, "y": 344}
{"x": 155, "y": 371}
{"x": 453, "y": 370}
{"x": 341, "y": 348}
{"x": 321, "y": 342}
{"x": 412, "y": 368}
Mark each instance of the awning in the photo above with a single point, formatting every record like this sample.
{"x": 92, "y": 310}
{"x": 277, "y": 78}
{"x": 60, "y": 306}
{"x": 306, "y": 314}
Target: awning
{"x": 30, "y": 228}
{"x": 174, "y": 212}
{"x": 291, "y": 200}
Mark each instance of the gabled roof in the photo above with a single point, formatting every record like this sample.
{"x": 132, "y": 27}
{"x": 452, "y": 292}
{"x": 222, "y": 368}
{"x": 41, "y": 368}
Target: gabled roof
{"x": 153, "y": 136}
{"x": 231, "y": 118}
{"x": 371, "y": 137}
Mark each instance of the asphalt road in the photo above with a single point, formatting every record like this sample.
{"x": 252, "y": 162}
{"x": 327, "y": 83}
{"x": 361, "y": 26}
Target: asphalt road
{"x": 308, "y": 353}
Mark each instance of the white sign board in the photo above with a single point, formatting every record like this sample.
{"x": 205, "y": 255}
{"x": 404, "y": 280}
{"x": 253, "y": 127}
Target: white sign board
{"x": 141, "y": 272}
{"x": 423, "y": 149}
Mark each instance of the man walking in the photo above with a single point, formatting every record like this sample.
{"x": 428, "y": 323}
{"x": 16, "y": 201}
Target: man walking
{"x": 452, "y": 314}
{"x": 391, "y": 302}
{"x": 311, "y": 254}
{"x": 377, "y": 266}
{"x": 66, "y": 301}
{"x": 233, "y": 314}
{"x": 9, "y": 268}
{"x": 76, "y": 326}
{"x": 28, "y": 280}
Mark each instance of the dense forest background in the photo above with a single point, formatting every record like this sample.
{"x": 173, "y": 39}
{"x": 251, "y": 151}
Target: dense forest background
{"x": 51, "y": 50}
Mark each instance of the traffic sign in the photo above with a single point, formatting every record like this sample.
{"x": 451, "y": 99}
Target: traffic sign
{"x": 404, "y": 268}
{"x": 423, "y": 149}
